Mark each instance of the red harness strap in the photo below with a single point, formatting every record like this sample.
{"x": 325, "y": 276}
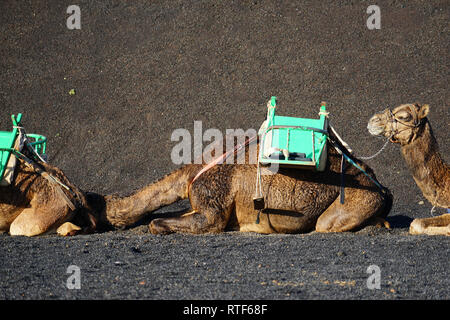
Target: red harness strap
{"x": 221, "y": 159}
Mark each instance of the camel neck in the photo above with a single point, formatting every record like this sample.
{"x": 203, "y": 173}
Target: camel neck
{"x": 423, "y": 159}
{"x": 121, "y": 211}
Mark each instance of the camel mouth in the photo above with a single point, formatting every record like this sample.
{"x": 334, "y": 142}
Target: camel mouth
{"x": 374, "y": 126}
{"x": 375, "y": 130}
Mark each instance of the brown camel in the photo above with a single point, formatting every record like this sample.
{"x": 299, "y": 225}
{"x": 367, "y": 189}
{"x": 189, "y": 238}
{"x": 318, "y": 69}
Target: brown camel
{"x": 408, "y": 125}
{"x": 33, "y": 205}
{"x": 296, "y": 200}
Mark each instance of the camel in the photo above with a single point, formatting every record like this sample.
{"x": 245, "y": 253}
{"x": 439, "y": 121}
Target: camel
{"x": 34, "y": 204}
{"x": 409, "y": 126}
{"x": 221, "y": 198}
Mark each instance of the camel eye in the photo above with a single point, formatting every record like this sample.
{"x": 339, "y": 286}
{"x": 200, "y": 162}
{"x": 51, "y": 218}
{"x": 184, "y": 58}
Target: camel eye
{"x": 404, "y": 116}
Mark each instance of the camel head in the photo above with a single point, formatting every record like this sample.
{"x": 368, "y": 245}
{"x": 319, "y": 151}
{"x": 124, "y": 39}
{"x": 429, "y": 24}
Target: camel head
{"x": 401, "y": 125}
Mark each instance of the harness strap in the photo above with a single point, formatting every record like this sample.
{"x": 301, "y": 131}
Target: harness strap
{"x": 363, "y": 171}
{"x": 342, "y": 193}
{"x": 352, "y": 162}
{"x": 395, "y": 121}
{"x": 53, "y": 180}
{"x": 221, "y": 159}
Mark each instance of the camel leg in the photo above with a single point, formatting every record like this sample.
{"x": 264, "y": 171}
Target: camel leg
{"x": 191, "y": 222}
{"x": 361, "y": 207}
{"x": 38, "y": 220}
{"x": 431, "y": 226}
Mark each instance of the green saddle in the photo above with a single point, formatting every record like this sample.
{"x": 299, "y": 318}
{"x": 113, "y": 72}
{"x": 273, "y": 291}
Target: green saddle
{"x": 8, "y": 140}
{"x": 294, "y": 142}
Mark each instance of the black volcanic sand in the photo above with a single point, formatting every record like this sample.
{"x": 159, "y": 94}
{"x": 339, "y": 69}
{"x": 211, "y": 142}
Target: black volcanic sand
{"x": 141, "y": 69}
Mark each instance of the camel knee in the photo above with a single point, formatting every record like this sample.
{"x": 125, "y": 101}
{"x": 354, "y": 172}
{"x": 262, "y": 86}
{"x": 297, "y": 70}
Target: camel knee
{"x": 29, "y": 223}
{"x": 416, "y": 227}
{"x": 329, "y": 224}
{"x": 342, "y": 221}
{"x": 24, "y": 228}
{"x": 321, "y": 226}
{"x": 158, "y": 226}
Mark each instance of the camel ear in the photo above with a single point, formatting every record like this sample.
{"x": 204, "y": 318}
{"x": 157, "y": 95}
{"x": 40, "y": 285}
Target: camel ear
{"x": 423, "y": 111}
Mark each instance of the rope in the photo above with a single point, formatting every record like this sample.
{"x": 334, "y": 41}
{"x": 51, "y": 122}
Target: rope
{"x": 258, "y": 189}
{"x": 30, "y": 147}
{"x": 432, "y": 211}
{"x": 53, "y": 180}
{"x": 30, "y": 163}
{"x": 378, "y": 152}
{"x": 345, "y": 144}
{"x": 356, "y": 165}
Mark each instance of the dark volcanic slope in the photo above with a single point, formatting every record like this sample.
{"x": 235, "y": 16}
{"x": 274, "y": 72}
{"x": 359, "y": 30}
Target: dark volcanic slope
{"x": 142, "y": 69}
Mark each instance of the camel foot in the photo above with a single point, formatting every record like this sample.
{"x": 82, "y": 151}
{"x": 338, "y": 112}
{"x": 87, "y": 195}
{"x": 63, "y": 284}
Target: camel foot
{"x": 422, "y": 226}
{"x": 157, "y": 226}
{"x": 68, "y": 229}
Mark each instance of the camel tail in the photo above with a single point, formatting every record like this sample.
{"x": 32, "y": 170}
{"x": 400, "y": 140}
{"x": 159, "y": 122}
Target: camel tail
{"x": 120, "y": 212}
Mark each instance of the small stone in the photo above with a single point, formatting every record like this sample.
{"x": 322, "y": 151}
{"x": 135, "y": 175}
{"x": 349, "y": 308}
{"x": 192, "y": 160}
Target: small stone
{"x": 341, "y": 254}
{"x": 135, "y": 250}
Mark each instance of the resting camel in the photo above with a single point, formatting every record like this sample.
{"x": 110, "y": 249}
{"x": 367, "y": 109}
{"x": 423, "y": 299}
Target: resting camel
{"x": 296, "y": 200}
{"x": 408, "y": 126}
{"x": 33, "y": 205}
{"x": 221, "y": 199}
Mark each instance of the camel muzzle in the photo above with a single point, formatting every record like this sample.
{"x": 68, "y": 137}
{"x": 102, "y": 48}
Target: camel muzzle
{"x": 376, "y": 125}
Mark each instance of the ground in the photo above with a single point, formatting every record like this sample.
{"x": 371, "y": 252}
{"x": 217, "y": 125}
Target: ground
{"x": 139, "y": 70}
{"x": 234, "y": 266}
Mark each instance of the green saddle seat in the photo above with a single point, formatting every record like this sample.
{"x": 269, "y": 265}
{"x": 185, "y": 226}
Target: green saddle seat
{"x": 8, "y": 139}
{"x": 294, "y": 142}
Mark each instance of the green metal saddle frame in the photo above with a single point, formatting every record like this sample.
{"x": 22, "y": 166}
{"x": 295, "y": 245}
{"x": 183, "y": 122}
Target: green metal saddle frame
{"x": 294, "y": 142}
{"x": 8, "y": 139}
